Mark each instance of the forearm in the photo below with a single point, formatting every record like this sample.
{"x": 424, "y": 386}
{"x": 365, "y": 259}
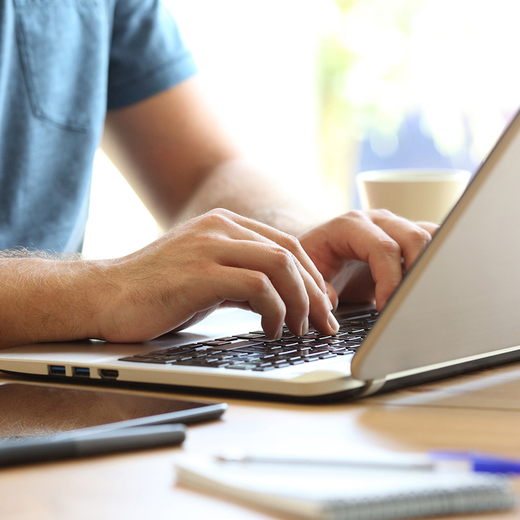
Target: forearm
{"x": 244, "y": 189}
{"x": 49, "y": 299}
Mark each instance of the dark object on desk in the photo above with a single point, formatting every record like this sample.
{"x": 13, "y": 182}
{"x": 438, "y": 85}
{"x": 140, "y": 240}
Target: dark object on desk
{"x": 81, "y": 444}
{"x": 35, "y": 410}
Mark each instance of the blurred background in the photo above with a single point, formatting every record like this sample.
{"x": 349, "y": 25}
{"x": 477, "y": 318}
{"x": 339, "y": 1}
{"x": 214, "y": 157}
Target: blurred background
{"x": 317, "y": 90}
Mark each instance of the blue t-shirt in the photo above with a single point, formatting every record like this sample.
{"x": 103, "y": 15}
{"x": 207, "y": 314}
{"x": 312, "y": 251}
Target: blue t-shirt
{"x": 63, "y": 63}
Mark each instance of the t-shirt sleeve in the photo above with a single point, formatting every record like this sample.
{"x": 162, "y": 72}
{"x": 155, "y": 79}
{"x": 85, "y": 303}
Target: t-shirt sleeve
{"x": 147, "y": 52}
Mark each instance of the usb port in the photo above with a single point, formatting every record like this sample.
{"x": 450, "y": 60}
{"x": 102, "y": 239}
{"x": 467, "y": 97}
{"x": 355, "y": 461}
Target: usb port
{"x": 107, "y": 373}
{"x": 81, "y": 371}
{"x": 56, "y": 370}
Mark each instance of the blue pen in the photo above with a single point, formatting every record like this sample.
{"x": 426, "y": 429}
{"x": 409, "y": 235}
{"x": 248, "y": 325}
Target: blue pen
{"x": 432, "y": 461}
{"x": 477, "y": 462}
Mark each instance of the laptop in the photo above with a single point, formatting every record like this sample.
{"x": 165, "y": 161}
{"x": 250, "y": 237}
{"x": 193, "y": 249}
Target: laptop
{"x": 455, "y": 311}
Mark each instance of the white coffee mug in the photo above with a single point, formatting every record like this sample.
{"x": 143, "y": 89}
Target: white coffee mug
{"x": 415, "y": 194}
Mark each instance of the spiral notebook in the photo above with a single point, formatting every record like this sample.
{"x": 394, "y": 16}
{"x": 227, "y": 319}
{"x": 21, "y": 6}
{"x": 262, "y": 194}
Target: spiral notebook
{"x": 324, "y": 493}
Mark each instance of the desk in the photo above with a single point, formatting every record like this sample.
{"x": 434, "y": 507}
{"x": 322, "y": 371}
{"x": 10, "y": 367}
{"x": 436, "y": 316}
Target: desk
{"x": 476, "y": 411}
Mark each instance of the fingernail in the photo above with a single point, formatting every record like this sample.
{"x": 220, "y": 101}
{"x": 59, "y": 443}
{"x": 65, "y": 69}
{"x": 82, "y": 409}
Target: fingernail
{"x": 305, "y": 327}
{"x": 333, "y": 323}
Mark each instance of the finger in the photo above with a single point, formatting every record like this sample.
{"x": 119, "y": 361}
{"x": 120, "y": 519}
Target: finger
{"x": 333, "y": 296}
{"x": 244, "y": 285}
{"x": 302, "y": 297}
{"x": 411, "y": 237}
{"x": 289, "y": 242}
{"x": 321, "y": 306}
{"x": 369, "y": 243}
{"x": 429, "y": 226}
{"x": 279, "y": 266}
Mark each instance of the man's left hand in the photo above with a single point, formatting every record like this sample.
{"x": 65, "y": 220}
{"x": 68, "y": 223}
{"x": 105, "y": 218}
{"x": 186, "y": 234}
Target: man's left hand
{"x": 362, "y": 254}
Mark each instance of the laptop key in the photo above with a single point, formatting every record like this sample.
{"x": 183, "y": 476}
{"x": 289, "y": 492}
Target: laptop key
{"x": 240, "y": 344}
{"x": 249, "y": 350}
{"x": 264, "y": 364}
{"x": 192, "y": 362}
{"x": 147, "y": 356}
{"x": 216, "y": 343}
{"x": 327, "y": 356}
{"x": 135, "y": 359}
{"x": 315, "y": 354}
{"x": 286, "y": 352}
{"x": 252, "y": 335}
{"x": 243, "y": 366}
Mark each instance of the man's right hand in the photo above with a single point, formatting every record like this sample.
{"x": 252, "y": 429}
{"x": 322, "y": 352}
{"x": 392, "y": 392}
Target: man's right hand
{"x": 214, "y": 259}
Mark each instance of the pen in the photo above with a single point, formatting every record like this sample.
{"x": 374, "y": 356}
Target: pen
{"x": 432, "y": 461}
{"x": 477, "y": 462}
{"x": 72, "y": 445}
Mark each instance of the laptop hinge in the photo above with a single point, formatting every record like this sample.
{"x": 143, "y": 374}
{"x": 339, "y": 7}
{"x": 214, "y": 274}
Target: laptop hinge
{"x": 372, "y": 387}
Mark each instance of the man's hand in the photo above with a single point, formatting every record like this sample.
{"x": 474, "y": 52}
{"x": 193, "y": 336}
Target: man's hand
{"x": 215, "y": 259}
{"x": 362, "y": 255}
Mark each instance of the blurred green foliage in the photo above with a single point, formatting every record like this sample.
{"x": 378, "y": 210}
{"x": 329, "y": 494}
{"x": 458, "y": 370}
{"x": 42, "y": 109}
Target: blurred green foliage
{"x": 450, "y": 61}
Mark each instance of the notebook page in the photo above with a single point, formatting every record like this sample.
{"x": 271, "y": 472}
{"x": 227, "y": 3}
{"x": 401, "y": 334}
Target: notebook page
{"x": 336, "y": 493}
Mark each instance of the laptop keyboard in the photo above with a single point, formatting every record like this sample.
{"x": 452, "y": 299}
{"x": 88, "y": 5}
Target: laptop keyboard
{"x": 255, "y": 351}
